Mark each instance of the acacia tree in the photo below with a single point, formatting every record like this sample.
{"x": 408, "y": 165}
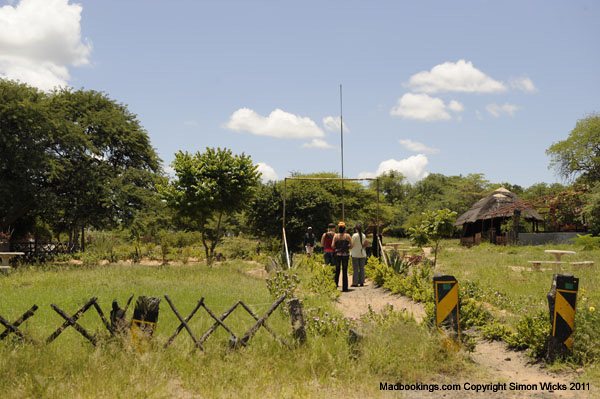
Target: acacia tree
{"x": 207, "y": 187}
{"x": 579, "y": 155}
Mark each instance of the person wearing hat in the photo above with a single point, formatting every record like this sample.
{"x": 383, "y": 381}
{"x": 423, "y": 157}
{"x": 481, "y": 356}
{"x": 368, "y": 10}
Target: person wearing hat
{"x": 309, "y": 241}
{"x": 342, "y": 244}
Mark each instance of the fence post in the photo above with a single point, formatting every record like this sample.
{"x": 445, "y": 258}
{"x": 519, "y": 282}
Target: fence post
{"x": 445, "y": 290}
{"x": 297, "y": 319}
{"x": 562, "y": 299}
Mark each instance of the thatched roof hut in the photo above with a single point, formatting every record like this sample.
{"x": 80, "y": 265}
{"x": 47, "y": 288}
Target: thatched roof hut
{"x": 483, "y": 217}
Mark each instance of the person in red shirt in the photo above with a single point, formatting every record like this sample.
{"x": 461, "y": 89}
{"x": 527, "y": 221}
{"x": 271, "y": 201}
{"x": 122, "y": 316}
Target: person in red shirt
{"x": 326, "y": 243}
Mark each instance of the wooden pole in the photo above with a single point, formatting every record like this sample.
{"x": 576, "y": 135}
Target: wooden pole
{"x": 297, "y": 319}
{"x": 342, "y": 150}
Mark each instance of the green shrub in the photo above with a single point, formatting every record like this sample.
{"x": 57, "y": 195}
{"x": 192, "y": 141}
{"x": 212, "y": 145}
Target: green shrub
{"x": 495, "y": 331}
{"x": 322, "y": 281}
{"x": 282, "y": 283}
{"x": 587, "y": 242}
{"x": 377, "y": 271}
{"x": 531, "y": 333}
{"x": 320, "y": 322}
{"x": 587, "y": 334}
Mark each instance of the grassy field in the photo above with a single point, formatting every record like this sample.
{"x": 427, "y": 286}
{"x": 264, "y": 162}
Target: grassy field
{"x": 398, "y": 350}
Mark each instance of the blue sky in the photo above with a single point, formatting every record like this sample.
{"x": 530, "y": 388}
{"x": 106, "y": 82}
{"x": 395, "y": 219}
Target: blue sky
{"x": 428, "y": 87}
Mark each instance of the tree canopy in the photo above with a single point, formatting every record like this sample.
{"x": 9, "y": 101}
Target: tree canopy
{"x": 578, "y": 156}
{"x": 208, "y": 186}
{"x": 75, "y": 157}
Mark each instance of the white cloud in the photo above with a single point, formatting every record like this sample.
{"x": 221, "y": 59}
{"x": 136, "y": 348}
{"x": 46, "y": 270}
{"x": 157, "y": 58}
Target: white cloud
{"x": 456, "y": 106}
{"x": 459, "y": 76}
{"x": 191, "y": 123}
{"x": 268, "y": 173}
{"x": 420, "y": 106}
{"x": 278, "y": 124}
{"x": 413, "y": 168}
{"x": 497, "y": 110}
{"x": 415, "y": 146}
{"x": 169, "y": 171}
{"x": 318, "y": 143}
{"x": 479, "y": 115}
{"x": 522, "y": 83}
{"x": 332, "y": 124}
{"x": 39, "y": 39}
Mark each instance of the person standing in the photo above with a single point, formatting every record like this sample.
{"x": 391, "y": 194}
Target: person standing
{"x": 309, "y": 241}
{"x": 359, "y": 256}
{"x": 327, "y": 244}
{"x": 342, "y": 244}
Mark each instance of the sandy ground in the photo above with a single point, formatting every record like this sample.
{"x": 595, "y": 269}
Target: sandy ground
{"x": 497, "y": 362}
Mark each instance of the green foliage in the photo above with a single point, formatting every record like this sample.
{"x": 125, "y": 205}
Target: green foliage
{"x": 587, "y": 242}
{"x": 591, "y": 208}
{"x": 585, "y": 349}
{"x": 209, "y": 187}
{"x": 433, "y": 227}
{"x": 472, "y": 313}
{"x": 282, "y": 283}
{"x": 496, "y": 331}
{"x": 532, "y": 333}
{"x": 579, "y": 154}
{"x": 75, "y": 157}
{"x": 320, "y": 322}
{"x": 377, "y": 271}
{"x": 310, "y": 203}
{"x": 322, "y": 281}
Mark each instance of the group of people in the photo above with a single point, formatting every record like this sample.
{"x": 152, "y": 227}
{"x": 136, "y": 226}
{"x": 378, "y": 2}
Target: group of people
{"x": 337, "y": 250}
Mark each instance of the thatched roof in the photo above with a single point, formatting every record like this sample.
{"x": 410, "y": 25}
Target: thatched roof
{"x": 496, "y": 200}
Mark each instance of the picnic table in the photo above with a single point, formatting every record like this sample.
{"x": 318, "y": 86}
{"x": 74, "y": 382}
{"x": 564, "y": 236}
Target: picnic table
{"x": 559, "y": 253}
{"x": 5, "y": 256}
{"x": 403, "y": 250}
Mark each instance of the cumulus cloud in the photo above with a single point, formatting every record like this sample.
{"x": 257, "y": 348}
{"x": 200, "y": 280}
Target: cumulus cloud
{"x": 456, "y": 106}
{"x": 279, "y": 124}
{"x": 318, "y": 143}
{"x": 420, "y": 106}
{"x": 332, "y": 124}
{"x": 523, "y": 83}
{"x": 268, "y": 173}
{"x": 460, "y": 76}
{"x": 416, "y": 146}
{"x": 424, "y": 107}
{"x": 497, "y": 110}
{"x": 413, "y": 168}
{"x": 39, "y": 39}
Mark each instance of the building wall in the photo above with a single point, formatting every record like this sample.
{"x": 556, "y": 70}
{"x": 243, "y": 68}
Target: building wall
{"x": 547, "y": 238}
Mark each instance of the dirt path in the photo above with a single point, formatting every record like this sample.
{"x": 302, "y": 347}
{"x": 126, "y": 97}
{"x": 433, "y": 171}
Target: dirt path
{"x": 497, "y": 362}
{"x": 356, "y": 302}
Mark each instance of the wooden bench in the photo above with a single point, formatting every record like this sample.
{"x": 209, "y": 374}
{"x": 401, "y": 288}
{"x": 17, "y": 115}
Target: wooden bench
{"x": 535, "y": 264}
{"x": 584, "y": 263}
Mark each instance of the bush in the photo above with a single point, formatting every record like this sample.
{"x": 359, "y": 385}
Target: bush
{"x": 282, "y": 283}
{"x": 322, "y": 281}
{"x": 532, "y": 333}
{"x": 495, "y": 331}
{"x": 587, "y": 242}
{"x": 320, "y": 322}
{"x": 377, "y": 271}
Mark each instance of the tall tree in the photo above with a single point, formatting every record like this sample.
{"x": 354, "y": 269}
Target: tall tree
{"x": 71, "y": 156}
{"x": 209, "y": 186}
{"x": 579, "y": 155}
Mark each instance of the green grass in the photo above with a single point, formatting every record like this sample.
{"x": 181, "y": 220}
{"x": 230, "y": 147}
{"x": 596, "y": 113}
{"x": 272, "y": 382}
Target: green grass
{"x": 71, "y": 367}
